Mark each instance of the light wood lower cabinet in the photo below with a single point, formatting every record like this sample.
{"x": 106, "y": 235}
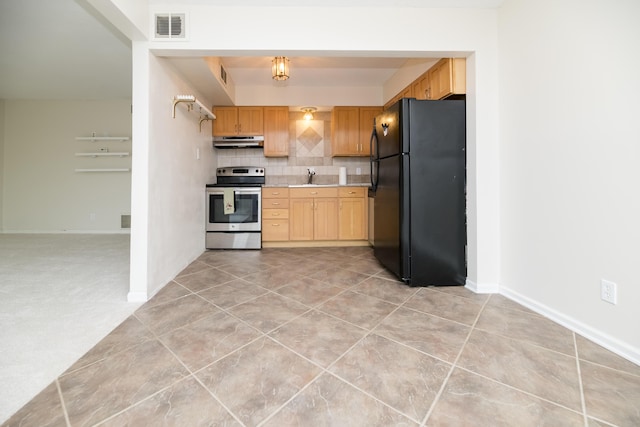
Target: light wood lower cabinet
{"x": 275, "y": 214}
{"x": 352, "y": 215}
{"x": 314, "y": 216}
{"x": 314, "y": 213}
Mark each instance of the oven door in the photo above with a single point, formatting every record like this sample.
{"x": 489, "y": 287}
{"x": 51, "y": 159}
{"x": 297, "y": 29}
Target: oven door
{"x": 247, "y": 215}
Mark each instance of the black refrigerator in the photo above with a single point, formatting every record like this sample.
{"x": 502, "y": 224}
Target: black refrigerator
{"x": 418, "y": 174}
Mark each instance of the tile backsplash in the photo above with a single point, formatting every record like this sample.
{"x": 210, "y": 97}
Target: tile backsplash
{"x": 309, "y": 147}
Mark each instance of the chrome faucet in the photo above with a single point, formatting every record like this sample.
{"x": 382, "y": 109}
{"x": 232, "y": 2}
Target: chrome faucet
{"x": 310, "y": 173}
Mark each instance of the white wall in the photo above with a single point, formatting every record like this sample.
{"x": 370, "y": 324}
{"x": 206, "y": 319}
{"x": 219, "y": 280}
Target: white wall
{"x": 41, "y": 191}
{"x": 403, "y": 31}
{"x": 1, "y": 159}
{"x": 569, "y": 151}
{"x": 176, "y": 178}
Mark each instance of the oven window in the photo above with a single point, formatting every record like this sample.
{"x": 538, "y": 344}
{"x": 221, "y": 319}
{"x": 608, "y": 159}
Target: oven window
{"x": 246, "y": 209}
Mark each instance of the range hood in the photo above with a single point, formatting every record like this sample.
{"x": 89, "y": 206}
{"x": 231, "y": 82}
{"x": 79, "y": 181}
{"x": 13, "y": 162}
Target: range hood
{"x": 238, "y": 141}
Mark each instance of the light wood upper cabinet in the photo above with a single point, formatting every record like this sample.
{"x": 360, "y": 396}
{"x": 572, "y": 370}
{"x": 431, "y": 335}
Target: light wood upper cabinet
{"x": 367, "y": 114}
{"x": 350, "y": 130}
{"x": 345, "y": 131}
{"x": 276, "y": 131}
{"x": 226, "y": 121}
{"x": 420, "y": 87}
{"x": 232, "y": 121}
{"x": 447, "y": 77}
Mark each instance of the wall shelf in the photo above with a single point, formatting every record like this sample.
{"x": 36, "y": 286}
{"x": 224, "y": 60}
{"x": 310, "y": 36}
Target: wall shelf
{"x": 103, "y": 154}
{"x": 102, "y": 138}
{"x": 104, "y": 170}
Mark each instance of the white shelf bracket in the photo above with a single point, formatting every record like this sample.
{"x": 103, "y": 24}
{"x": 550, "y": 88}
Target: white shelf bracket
{"x": 190, "y": 100}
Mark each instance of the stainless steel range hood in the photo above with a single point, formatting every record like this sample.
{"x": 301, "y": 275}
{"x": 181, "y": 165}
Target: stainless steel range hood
{"x": 238, "y": 141}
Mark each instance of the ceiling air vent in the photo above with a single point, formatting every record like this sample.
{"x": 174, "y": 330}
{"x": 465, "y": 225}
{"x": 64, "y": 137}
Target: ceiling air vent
{"x": 170, "y": 26}
{"x": 223, "y": 74}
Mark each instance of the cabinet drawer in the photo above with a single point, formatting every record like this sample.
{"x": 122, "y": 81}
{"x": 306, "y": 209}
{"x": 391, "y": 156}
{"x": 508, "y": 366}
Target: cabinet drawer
{"x": 351, "y": 191}
{"x": 275, "y": 213}
{"x": 313, "y": 192}
{"x": 275, "y": 203}
{"x": 274, "y": 230}
{"x": 275, "y": 192}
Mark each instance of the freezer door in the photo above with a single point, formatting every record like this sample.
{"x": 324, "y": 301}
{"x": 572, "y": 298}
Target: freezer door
{"x": 387, "y": 125}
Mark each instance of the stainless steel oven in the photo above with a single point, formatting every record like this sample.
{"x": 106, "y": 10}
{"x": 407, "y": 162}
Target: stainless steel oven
{"x": 234, "y": 209}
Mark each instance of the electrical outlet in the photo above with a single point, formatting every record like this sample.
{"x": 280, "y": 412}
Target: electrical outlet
{"x": 608, "y": 291}
{"x": 358, "y": 171}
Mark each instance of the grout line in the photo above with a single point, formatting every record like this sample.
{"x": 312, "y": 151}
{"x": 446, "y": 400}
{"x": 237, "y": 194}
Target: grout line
{"x": 582, "y": 401}
{"x": 64, "y": 407}
{"x": 524, "y": 341}
{"x": 519, "y": 390}
{"x": 217, "y": 400}
{"x": 453, "y": 365}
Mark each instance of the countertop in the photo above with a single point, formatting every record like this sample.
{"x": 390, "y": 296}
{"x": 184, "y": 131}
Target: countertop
{"x": 360, "y": 184}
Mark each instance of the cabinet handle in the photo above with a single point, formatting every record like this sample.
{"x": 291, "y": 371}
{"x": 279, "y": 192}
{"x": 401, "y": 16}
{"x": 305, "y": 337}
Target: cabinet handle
{"x": 314, "y": 192}
{"x": 275, "y": 214}
{"x": 275, "y": 203}
{"x": 275, "y": 193}
{"x": 275, "y": 225}
{"x": 352, "y": 192}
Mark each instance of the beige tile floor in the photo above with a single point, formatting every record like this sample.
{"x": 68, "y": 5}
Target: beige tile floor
{"x": 325, "y": 337}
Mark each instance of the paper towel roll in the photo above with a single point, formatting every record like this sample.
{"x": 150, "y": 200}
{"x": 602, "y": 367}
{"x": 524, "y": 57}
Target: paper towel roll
{"x": 342, "y": 176}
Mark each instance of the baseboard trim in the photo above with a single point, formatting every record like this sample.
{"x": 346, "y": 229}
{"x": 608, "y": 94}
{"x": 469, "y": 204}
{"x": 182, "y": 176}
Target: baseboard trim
{"x": 315, "y": 243}
{"x": 127, "y": 231}
{"x": 610, "y": 343}
{"x": 137, "y": 297}
{"x": 484, "y": 288}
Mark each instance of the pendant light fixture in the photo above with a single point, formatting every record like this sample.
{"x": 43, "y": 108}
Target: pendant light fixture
{"x": 308, "y": 112}
{"x": 280, "y": 68}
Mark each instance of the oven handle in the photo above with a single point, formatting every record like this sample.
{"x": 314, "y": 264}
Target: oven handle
{"x": 220, "y": 190}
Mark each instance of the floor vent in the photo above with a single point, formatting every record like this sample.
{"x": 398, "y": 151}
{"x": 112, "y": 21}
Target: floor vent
{"x": 170, "y": 26}
{"x": 125, "y": 221}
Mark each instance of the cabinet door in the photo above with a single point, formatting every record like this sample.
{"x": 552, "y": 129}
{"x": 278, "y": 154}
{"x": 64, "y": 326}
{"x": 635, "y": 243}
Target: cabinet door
{"x": 352, "y": 219}
{"x": 301, "y": 219}
{"x": 226, "y": 122}
{"x": 250, "y": 121}
{"x": 420, "y": 87}
{"x": 345, "y": 131}
{"x": 325, "y": 218}
{"x": 442, "y": 85}
{"x": 276, "y": 131}
{"x": 275, "y": 230}
{"x": 367, "y": 114}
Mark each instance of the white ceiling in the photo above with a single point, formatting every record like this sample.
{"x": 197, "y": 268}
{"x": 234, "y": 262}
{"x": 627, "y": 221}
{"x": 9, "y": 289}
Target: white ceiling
{"x": 340, "y": 3}
{"x": 65, "y": 50}
{"x": 60, "y": 50}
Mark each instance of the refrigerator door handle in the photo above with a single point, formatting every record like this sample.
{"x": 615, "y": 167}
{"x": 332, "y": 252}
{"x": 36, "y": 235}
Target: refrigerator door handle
{"x": 374, "y": 177}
